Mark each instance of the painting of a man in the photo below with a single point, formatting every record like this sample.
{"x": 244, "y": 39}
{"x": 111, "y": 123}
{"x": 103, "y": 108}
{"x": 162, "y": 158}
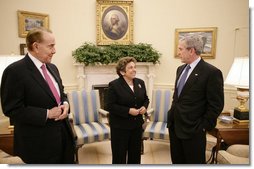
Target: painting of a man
{"x": 114, "y": 23}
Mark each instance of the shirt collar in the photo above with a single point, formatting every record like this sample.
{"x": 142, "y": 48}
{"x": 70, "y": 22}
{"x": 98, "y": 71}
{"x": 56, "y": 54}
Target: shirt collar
{"x": 37, "y": 63}
{"x": 194, "y": 64}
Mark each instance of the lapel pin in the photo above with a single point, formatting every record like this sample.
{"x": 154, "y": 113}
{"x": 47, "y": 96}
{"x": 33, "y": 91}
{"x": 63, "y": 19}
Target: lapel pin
{"x": 139, "y": 86}
{"x": 196, "y": 74}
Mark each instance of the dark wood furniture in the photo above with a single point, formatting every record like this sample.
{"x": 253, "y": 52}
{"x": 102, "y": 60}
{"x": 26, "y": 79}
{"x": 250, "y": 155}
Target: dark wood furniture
{"x": 6, "y": 139}
{"x": 230, "y": 134}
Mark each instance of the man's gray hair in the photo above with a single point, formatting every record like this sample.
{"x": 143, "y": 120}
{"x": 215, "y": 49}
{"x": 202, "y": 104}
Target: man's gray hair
{"x": 194, "y": 41}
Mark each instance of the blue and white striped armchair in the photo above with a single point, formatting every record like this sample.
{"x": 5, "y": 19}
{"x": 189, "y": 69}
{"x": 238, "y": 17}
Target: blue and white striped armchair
{"x": 86, "y": 112}
{"x": 161, "y": 103}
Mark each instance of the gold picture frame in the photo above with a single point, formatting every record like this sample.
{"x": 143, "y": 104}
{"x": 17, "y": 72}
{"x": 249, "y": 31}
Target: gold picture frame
{"x": 209, "y": 34}
{"x": 28, "y": 20}
{"x": 114, "y": 22}
{"x": 23, "y": 48}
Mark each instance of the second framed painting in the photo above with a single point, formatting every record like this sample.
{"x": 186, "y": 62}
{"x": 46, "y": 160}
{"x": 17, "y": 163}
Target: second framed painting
{"x": 208, "y": 34}
{"x": 28, "y": 20}
{"x": 114, "y": 22}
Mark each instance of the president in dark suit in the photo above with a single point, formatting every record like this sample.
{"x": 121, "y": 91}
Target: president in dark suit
{"x": 127, "y": 103}
{"x": 197, "y": 102}
{"x": 42, "y": 133}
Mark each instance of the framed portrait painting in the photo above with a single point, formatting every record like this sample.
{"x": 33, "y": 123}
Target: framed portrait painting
{"x": 114, "y": 22}
{"x": 28, "y": 20}
{"x": 208, "y": 36}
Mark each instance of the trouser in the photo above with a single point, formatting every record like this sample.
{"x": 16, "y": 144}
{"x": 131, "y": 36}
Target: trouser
{"x": 187, "y": 151}
{"x": 126, "y": 143}
{"x": 68, "y": 147}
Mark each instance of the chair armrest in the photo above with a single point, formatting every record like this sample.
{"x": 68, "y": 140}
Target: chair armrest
{"x": 9, "y": 159}
{"x": 225, "y": 157}
{"x": 105, "y": 116}
{"x": 103, "y": 112}
{"x": 70, "y": 118}
{"x": 239, "y": 150}
{"x": 147, "y": 117}
{"x": 150, "y": 111}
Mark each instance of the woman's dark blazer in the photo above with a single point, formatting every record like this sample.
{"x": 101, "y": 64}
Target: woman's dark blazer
{"x": 121, "y": 98}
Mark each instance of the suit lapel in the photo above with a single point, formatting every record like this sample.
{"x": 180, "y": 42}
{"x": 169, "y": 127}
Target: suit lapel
{"x": 192, "y": 78}
{"x": 125, "y": 85}
{"x": 137, "y": 87}
{"x": 37, "y": 76}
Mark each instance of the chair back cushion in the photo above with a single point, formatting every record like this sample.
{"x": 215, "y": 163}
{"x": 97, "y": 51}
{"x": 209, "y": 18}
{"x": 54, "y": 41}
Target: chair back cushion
{"x": 84, "y": 105}
{"x": 161, "y": 101}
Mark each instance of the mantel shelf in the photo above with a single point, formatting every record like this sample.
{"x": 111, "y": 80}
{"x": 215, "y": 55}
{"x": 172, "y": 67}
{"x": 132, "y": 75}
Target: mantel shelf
{"x": 114, "y": 64}
{"x": 100, "y": 74}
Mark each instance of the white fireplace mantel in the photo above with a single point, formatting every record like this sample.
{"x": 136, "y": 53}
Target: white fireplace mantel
{"x": 102, "y": 74}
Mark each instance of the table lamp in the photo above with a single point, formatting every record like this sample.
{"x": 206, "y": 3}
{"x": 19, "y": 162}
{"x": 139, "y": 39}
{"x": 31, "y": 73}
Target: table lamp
{"x": 238, "y": 77}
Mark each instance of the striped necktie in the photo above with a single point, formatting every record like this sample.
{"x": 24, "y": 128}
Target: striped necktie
{"x": 183, "y": 79}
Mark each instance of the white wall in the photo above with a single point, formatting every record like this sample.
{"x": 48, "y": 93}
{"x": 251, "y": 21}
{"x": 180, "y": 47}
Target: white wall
{"x": 74, "y": 22}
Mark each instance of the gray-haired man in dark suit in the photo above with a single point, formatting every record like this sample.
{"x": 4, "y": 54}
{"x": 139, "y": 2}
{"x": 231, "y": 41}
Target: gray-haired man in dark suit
{"x": 196, "y": 104}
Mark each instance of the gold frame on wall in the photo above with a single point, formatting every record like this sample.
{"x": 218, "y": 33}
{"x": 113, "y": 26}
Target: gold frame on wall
{"x": 210, "y": 34}
{"x": 23, "y": 48}
{"x": 114, "y": 11}
{"x": 28, "y": 20}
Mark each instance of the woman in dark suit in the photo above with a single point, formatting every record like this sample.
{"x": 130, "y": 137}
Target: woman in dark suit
{"x": 127, "y": 102}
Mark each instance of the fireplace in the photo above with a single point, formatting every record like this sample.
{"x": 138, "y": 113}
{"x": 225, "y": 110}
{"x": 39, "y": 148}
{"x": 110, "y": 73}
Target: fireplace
{"x": 103, "y": 89}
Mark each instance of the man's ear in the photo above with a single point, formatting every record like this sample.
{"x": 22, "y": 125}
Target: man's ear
{"x": 35, "y": 46}
{"x": 193, "y": 51}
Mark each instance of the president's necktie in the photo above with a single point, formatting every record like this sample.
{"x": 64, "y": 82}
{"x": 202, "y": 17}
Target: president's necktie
{"x": 50, "y": 83}
{"x": 183, "y": 79}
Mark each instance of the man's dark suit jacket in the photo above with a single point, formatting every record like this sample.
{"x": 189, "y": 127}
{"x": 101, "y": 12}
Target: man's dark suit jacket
{"x": 200, "y": 102}
{"x": 121, "y": 98}
{"x": 25, "y": 97}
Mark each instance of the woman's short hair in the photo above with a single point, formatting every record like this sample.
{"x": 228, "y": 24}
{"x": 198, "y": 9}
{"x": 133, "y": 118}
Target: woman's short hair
{"x": 121, "y": 64}
{"x": 194, "y": 41}
{"x": 35, "y": 35}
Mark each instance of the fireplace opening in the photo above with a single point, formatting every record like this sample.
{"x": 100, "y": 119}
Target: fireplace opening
{"x": 103, "y": 90}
